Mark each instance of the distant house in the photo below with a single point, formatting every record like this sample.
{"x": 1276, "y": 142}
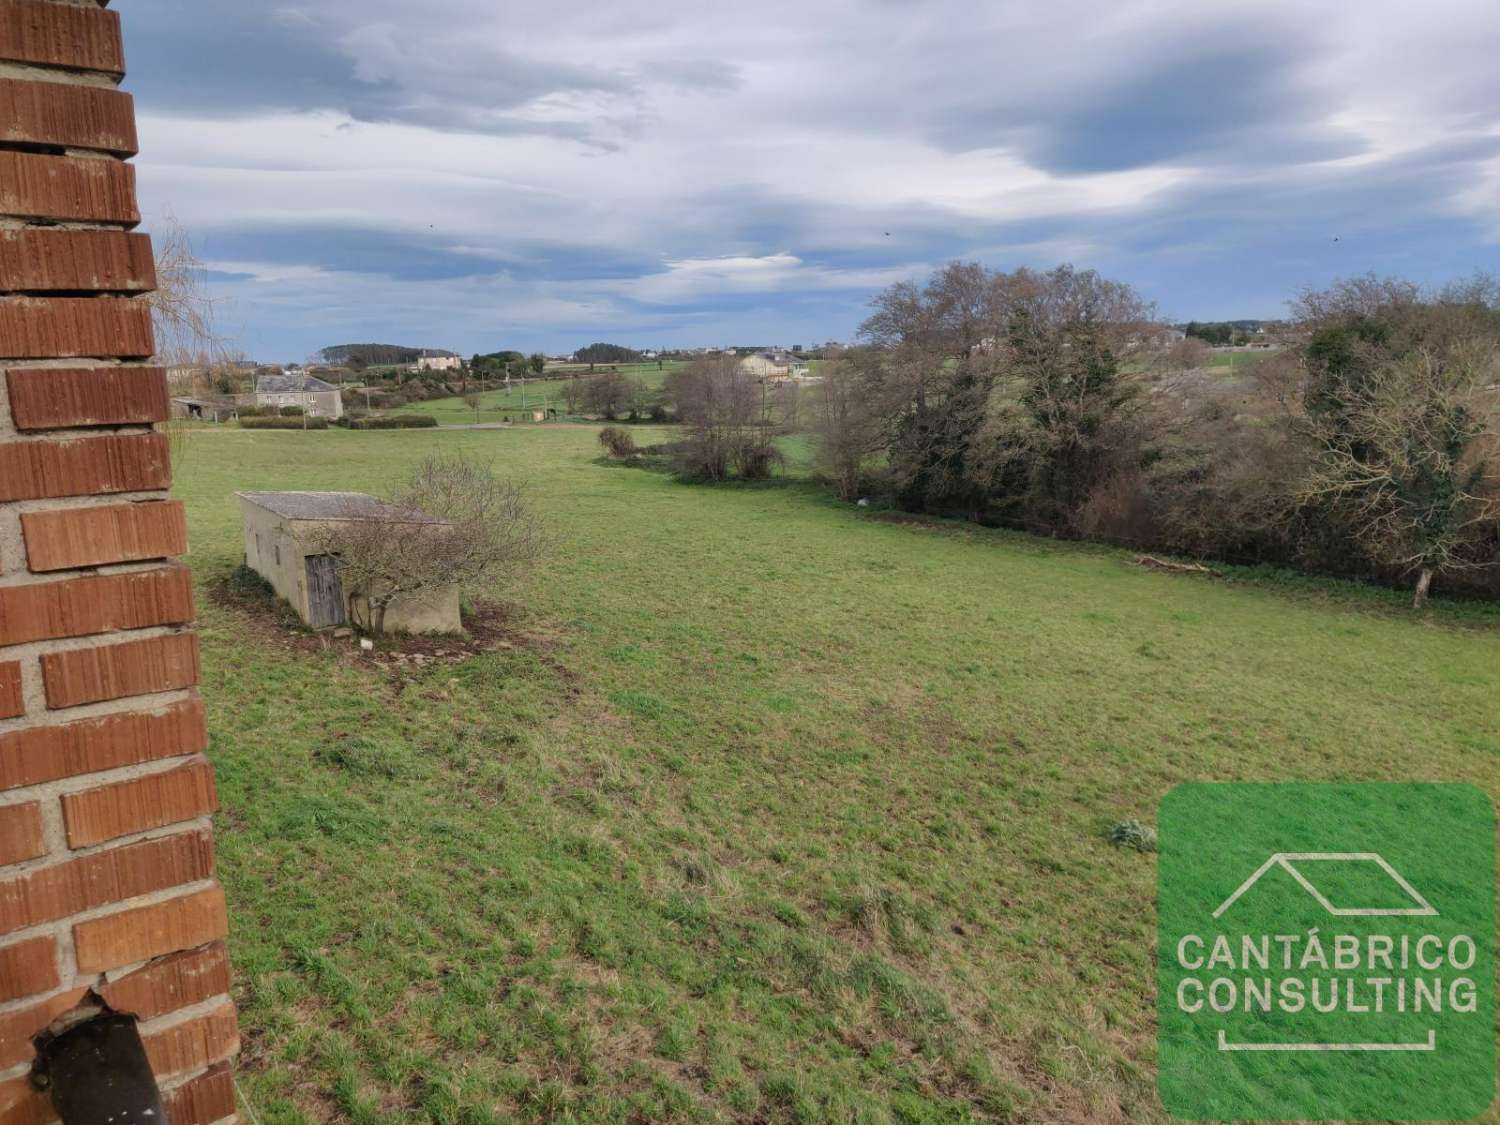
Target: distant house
{"x": 316, "y": 398}
{"x": 281, "y": 545}
{"x": 774, "y": 366}
{"x": 438, "y": 361}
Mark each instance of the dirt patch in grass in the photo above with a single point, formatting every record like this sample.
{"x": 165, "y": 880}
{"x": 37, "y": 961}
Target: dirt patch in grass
{"x": 488, "y": 627}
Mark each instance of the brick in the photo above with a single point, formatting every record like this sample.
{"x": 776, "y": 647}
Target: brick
{"x": 172, "y": 982}
{"x": 63, "y": 327}
{"x": 114, "y": 533}
{"x": 80, "y": 607}
{"x": 67, "y": 187}
{"x": 11, "y": 703}
{"x": 21, "y": 833}
{"x": 202, "y": 1101}
{"x": 17, "y": 1028}
{"x": 92, "y": 675}
{"x": 39, "y": 470}
{"x": 189, "y": 1046}
{"x": 28, "y": 967}
{"x": 50, "y": 398}
{"x": 42, "y": 754}
{"x": 65, "y": 115}
{"x": 90, "y": 881}
{"x": 127, "y": 807}
{"x": 44, "y": 33}
{"x": 23, "y": 1104}
{"x": 149, "y": 931}
{"x": 37, "y": 261}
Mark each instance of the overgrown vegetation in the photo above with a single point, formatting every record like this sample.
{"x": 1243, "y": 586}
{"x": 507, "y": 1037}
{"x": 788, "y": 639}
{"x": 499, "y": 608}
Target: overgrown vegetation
{"x": 618, "y": 443}
{"x": 1365, "y": 447}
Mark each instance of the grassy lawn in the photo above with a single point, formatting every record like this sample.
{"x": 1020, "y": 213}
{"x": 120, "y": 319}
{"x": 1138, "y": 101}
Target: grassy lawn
{"x": 778, "y": 812}
{"x": 1237, "y": 363}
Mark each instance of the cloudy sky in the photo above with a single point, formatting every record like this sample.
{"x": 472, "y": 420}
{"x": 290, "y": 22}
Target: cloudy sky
{"x": 478, "y": 174}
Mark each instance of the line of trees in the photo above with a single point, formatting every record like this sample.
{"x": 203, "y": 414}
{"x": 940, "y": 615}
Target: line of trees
{"x": 1365, "y": 446}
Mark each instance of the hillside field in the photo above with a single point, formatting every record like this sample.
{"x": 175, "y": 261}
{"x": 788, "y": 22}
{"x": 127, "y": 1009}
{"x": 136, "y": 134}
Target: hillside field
{"x": 767, "y": 808}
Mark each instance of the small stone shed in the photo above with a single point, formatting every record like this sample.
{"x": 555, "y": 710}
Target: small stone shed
{"x": 281, "y": 545}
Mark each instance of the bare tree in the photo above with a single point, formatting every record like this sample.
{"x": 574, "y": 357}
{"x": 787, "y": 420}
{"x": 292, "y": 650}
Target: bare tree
{"x": 1409, "y": 460}
{"x": 850, "y": 430}
{"x": 728, "y": 412}
{"x": 572, "y": 393}
{"x": 609, "y": 394}
{"x": 1399, "y": 401}
{"x": 473, "y": 402}
{"x": 182, "y": 311}
{"x": 454, "y": 524}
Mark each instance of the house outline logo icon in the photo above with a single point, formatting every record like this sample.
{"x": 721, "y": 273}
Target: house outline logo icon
{"x": 1287, "y": 860}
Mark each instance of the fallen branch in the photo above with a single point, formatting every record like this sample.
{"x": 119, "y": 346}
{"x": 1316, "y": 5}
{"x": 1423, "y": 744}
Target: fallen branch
{"x": 1154, "y": 563}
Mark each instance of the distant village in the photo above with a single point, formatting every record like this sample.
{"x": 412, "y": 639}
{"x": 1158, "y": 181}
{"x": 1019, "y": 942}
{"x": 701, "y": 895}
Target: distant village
{"x": 222, "y": 390}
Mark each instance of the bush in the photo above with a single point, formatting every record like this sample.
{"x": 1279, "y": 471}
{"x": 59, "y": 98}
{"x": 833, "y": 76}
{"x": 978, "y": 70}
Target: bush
{"x": 617, "y": 442}
{"x": 283, "y": 423}
{"x": 395, "y": 422}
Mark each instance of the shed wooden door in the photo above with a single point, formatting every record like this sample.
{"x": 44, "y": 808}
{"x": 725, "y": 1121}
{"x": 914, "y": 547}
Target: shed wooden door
{"x": 325, "y": 593}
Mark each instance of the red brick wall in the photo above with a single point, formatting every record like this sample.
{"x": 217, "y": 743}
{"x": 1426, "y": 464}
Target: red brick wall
{"x": 106, "y": 847}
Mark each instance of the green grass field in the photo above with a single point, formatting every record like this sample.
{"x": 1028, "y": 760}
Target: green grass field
{"x": 517, "y": 404}
{"x": 774, "y": 811}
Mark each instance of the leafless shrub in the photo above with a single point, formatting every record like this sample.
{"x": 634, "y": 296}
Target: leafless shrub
{"x": 617, "y": 441}
{"x": 463, "y": 525}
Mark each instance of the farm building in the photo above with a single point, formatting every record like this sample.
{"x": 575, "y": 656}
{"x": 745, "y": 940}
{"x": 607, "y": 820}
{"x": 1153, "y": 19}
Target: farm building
{"x": 282, "y": 535}
{"x": 433, "y": 360}
{"x": 316, "y": 398}
{"x": 774, "y": 366}
{"x": 208, "y": 408}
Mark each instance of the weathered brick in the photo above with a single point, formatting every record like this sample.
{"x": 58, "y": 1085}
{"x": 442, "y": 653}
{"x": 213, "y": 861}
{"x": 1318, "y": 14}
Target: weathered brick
{"x": 23, "y": 1104}
{"x": 37, "y": 260}
{"x": 171, "y": 982}
{"x": 67, "y": 187}
{"x": 149, "y": 931}
{"x": 115, "y": 875}
{"x": 40, "y": 754}
{"x": 45, "y": 33}
{"x": 191, "y": 1045}
{"x": 50, "y": 398}
{"x": 80, "y": 607}
{"x": 203, "y": 1100}
{"x": 28, "y": 967}
{"x": 39, "y": 470}
{"x": 126, "y": 807}
{"x": 11, "y": 703}
{"x": 62, "y": 114}
{"x": 92, "y": 675}
{"x": 17, "y": 1027}
{"x": 21, "y": 832}
{"x": 63, "y": 327}
{"x": 114, "y": 533}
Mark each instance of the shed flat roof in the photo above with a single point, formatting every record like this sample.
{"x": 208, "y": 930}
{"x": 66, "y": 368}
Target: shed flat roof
{"x": 334, "y": 506}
